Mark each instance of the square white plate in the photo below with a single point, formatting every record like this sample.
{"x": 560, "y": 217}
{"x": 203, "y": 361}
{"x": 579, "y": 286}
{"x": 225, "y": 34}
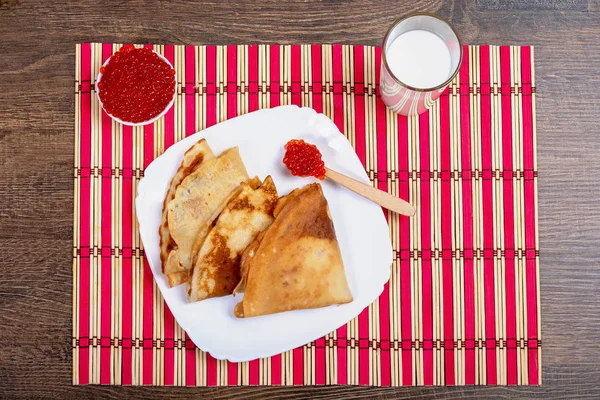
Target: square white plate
{"x": 360, "y": 225}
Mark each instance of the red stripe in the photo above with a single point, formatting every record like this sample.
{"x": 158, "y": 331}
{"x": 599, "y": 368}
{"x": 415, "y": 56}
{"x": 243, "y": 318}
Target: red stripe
{"x": 148, "y": 294}
{"x": 148, "y": 324}
{"x": 211, "y": 80}
{"x": 211, "y": 370}
{"x": 211, "y": 119}
{"x": 297, "y": 100}
{"x": 320, "y": 361}
{"x": 274, "y": 62}
{"x": 276, "y": 370}
{"x": 405, "y": 292}
{"x": 232, "y": 69}
{"x": 359, "y": 103}
{"x": 509, "y": 239}
{"x": 127, "y": 279}
{"x": 384, "y": 300}
{"x": 190, "y": 83}
{"x": 84, "y": 214}
{"x": 106, "y": 218}
{"x": 127, "y": 237}
{"x": 298, "y": 365}
{"x": 169, "y": 352}
{"x": 148, "y": 137}
{"x": 446, "y": 225}
{"x": 253, "y": 372}
{"x": 317, "y": 77}
{"x": 232, "y": 373}
{"x": 296, "y": 65}
{"x": 170, "y": 115}
{"x": 254, "y": 365}
{"x": 317, "y": 104}
{"x": 425, "y": 212}
{"x": 276, "y": 367}
{"x": 190, "y": 361}
{"x": 253, "y": 77}
{"x": 530, "y": 218}
{"x": 169, "y": 322}
{"x": 232, "y": 111}
{"x": 488, "y": 220}
{"x": 467, "y": 199}
{"x": 342, "y": 356}
{"x": 338, "y": 98}
{"x": 190, "y": 128}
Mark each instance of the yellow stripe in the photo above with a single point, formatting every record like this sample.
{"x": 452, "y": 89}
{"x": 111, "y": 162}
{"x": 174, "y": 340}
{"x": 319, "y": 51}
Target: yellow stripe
{"x": 477, "y": 229}
{"x": 393, "y": 218}
{"x": 202, "y": 77}
{"x": 498, "y": 202}
{"x": 118, "y": 281}
{"x": 436, "y": 267}
{"x": 179, "y": 109}
{"x": 457, "y": 233}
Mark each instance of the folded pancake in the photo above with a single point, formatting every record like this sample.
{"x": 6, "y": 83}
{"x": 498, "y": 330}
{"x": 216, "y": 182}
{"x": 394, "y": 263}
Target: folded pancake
{"x": 216, "y": 271}
{"x": 296, "y": 263}
{"x": 192, "y": 160}
{"x": 281, "y": 203}
{"x": 198, "y": 200}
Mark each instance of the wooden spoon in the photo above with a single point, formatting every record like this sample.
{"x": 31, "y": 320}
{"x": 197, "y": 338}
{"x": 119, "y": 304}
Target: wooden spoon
{"x": 380, "y": 197}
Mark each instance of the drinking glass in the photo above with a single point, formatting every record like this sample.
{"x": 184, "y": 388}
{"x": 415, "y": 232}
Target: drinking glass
{"x": 401, "y": 97}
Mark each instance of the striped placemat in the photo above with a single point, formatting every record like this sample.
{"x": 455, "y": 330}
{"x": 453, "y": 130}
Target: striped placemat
{"x": 462, "y": 305}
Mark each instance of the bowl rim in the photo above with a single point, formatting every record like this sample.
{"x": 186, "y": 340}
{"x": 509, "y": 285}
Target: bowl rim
{"x": 153, "y": 119}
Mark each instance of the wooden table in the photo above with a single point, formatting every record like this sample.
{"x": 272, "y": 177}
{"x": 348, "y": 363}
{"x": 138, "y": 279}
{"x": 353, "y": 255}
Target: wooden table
{"x": 37, "y": 56}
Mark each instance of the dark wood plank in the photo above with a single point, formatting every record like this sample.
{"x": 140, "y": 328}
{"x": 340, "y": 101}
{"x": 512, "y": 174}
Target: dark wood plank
{"x": 554, "y": 5}
{"x": 37, "y": 42}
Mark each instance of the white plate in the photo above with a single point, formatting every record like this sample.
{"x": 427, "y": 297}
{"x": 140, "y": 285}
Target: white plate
{"x": 360, "y": 225}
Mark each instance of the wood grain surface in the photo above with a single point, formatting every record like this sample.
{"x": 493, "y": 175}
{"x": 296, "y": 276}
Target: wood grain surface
{"x": 37, "y": 55}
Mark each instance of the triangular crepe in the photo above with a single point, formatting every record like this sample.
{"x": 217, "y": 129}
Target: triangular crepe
{"x": 198, "y": 200}
{"x": 216, "y": 271}
{"x": 192, "y": 160}
{"x": 296, "y": 263}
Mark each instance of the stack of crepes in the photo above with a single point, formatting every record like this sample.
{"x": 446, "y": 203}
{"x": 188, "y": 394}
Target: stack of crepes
{"x": 224, "y": 233}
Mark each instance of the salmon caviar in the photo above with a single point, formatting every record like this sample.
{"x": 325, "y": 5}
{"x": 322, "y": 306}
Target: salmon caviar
{"x": 136, "y": 84}
{"x": 304, "y": 159}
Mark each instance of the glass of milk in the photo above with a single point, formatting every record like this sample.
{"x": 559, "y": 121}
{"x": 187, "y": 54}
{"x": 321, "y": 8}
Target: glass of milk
{"x": 421, "y": 55}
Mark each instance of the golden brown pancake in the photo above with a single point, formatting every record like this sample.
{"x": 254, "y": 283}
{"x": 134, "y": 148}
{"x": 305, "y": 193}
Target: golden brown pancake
{"x": 216, "y": 271}
{"x": 296, "y": 263}
{"x": 284, "y": 200}
{"x": 192, "y": 159}
{"x": 198, "y": 201}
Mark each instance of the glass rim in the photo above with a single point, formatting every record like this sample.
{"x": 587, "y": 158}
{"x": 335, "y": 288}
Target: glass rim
{"x": 389, "y": 70}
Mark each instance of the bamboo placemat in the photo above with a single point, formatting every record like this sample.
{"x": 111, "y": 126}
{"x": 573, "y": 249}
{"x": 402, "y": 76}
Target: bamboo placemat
{"x": 462, "y": 305}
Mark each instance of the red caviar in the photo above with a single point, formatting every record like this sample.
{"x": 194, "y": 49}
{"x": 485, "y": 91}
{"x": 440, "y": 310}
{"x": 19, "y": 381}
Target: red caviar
{"x": 304, "y": 159}
{"x": 136, "y": 84}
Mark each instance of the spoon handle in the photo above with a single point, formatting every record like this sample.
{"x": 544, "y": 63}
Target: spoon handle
{"x": 380, "y": 197}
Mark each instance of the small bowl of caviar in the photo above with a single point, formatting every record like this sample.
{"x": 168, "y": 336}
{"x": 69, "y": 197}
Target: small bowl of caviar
{"x": 136, "y": 86}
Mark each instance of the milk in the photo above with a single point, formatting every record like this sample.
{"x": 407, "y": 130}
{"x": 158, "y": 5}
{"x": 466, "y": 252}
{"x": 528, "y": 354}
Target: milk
{"x": 419, "y": 59}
